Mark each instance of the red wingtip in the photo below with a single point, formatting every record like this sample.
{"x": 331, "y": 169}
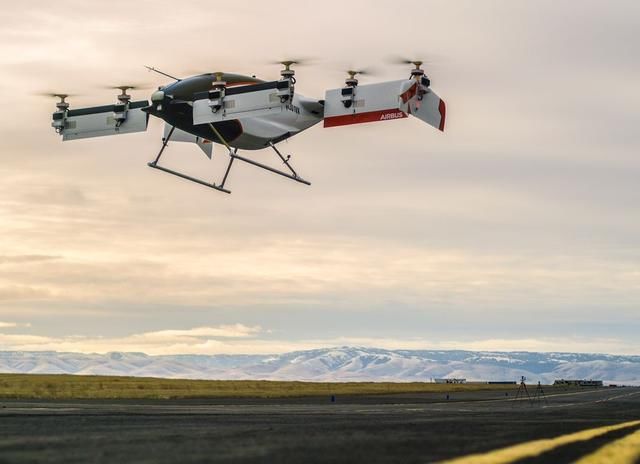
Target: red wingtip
{"x": 443, "y": 114}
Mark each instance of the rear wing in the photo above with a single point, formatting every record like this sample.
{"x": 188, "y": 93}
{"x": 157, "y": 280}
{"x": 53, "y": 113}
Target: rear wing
{"x": 382, "y": 102}
{"x": 100, "y": 121}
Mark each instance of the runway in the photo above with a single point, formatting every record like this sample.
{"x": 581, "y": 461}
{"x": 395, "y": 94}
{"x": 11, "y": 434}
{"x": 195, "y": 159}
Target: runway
{"x": 374, "y": 429}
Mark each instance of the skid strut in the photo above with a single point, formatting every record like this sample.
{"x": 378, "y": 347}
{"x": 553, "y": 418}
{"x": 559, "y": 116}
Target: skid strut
{"x": 233, "y": 155}
{"x": 292, "y": 176}
{"x": 154, "y": 165}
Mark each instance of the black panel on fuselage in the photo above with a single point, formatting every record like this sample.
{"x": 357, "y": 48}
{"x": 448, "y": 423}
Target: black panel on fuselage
{"x": 177, "y": 111}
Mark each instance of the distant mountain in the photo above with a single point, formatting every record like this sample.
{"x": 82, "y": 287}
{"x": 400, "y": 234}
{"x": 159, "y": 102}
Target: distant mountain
{"x": 336, "y": 364}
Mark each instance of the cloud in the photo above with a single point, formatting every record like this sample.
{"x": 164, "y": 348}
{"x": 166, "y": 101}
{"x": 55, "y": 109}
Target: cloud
{"x": 56, "y": 195}
{"x": 194, "y": 340}
{"x": 14, "y": 325}
{"x": 316, "y": 269}
{"x": 22, "y": 292}
{"x": 11, "y": 259}
{"x": 241, "y": 339}
{"x": 223, "y": 331}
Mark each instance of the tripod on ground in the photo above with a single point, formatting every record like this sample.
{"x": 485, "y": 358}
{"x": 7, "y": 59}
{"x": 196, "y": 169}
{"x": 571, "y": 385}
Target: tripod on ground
{"x": 522, "y": 390}
{"x": 539, "y": 394}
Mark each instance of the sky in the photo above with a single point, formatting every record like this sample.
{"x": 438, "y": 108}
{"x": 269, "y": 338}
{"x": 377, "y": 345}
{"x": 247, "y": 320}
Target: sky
{"x": 518, "y": 228}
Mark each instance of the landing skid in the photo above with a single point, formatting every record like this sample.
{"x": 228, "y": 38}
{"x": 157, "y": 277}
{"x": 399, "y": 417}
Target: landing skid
{"x": 233, "y": 155}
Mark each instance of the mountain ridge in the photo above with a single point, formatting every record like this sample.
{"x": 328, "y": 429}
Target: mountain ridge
{"x": 346, "y": 363}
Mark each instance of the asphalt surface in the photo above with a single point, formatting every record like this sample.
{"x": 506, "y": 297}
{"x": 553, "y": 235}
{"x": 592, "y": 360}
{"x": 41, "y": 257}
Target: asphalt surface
{"x": 373, "y": 429}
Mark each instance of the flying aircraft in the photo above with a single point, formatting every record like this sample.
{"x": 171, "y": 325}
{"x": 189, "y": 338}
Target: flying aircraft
{"x": 246, "y": 113}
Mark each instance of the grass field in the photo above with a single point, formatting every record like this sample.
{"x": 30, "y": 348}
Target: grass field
{"x": 36, "y": 386}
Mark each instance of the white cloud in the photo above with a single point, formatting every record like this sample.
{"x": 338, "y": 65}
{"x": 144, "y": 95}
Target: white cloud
{"x": 241, "y": 339}
{"x": 224, "y": 331}
{"x": 309, "y": 269}
{"x": 10, "y": 325}
{"x": 195, "y": 340}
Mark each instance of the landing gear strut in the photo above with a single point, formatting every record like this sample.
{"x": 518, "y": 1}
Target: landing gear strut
{"x": 233, "y": 155}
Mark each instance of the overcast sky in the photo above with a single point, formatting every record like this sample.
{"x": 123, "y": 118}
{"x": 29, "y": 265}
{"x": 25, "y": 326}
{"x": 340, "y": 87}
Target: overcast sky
{"x": 516, "y": 229}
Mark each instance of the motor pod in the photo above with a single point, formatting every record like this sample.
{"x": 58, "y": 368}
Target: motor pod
{"x": 348, "y": 95}
{"x": 120, "y": 112}
{"x": 121, "y": 108}
{"x": 285, "y": 86}
{"x": 59, "y": 120}
{"x": 216, "y": 98}
{"x": 59, "y": 117}
{"x": 285, "y": 89}
{"x": 423, "y": 88}
{"x": 349, "y": 91}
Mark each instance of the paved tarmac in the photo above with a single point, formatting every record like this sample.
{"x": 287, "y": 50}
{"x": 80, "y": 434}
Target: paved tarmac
{"x": 373, "y": 429}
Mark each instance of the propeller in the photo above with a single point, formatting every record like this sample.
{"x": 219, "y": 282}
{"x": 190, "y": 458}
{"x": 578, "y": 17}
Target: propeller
{"x": 62, "y": 104}
{"x": 287, "y": 72}
{"x": 291, "y": 61}
{"x": 124, "y": 96}
{"x": 61, "y": 96}
{"x": 352, "y": 80}
{"x": 417, "y": 62}
{"x": 124, "y": 88}
{"x": 360, "y": 72}
{"x": 417, "y": 72}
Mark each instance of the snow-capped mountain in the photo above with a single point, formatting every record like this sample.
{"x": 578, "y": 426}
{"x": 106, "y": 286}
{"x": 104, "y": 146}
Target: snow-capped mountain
{"x": 336, "y": 364}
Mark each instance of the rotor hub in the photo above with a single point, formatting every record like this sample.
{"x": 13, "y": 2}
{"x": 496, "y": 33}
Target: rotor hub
{"x": 417, "y": 72}
{"x": 218, "y": 83}
{"x": 124, "y": 98}
{"x": 352, "y": 81}
{"x": 62, "y": 105}
{"x": 287, "y": 72}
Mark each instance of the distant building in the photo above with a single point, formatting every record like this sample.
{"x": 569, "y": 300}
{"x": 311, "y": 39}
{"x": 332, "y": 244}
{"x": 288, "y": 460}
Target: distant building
{"x": 450, "y": 380}
{"x": 578, "y": 383}
{"x": 502, "y": 382}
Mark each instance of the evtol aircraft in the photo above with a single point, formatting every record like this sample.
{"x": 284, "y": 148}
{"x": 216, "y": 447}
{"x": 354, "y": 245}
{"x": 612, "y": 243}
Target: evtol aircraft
{"x": 246, "y": 113}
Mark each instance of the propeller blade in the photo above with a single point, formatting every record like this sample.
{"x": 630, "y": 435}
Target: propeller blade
{"x": 415, "y": 61}
{"x": 300, "y": 61}
{"x": 124, "y": 88}
{"x": 361, "y": 71}
{"x": 55, "y": 95}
